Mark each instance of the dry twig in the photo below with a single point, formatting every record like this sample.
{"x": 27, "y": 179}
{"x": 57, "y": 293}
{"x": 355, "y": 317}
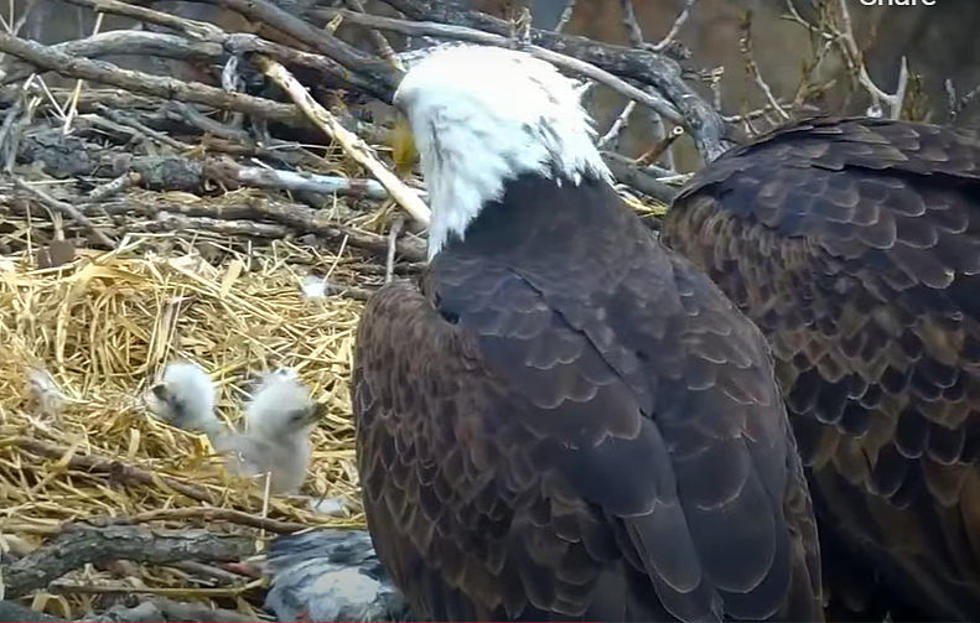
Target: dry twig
{"x": 350, "y": 142}
{"x": 68, "y": 210}
{"x": 118, "y": 470}
{"x": 211, "y": 514}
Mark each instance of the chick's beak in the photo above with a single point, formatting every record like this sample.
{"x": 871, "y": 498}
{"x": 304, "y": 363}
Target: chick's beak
{"x": 314, "y": 415}
{"x": 403, "y": 151}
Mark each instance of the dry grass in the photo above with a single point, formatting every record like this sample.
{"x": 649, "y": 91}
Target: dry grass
{"x": 104, "y": 327}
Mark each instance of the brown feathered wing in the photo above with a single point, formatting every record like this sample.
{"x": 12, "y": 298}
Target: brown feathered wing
{"x": 855, "y": 246}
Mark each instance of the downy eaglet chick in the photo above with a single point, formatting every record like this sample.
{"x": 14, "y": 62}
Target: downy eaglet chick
{"x": 185, "y": 398}
{"x": 276, "y": 438}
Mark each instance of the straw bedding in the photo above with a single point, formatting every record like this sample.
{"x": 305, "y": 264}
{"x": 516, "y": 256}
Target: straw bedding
{"x": 104, "y": 326}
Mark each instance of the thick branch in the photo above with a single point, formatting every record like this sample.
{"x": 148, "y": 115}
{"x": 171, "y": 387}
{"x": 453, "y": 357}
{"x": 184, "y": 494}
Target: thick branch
{"x": 198, "y": 30}
{"x": 167, "y": 88}
{"x": 79, "y": 545}
{"x": 210, "y": 514}
{"x": 124, "y": 42}
{"x": 68, "y": 210}
{"x": 228, "y": 170}
{"x": 321, "y": 41}
{"x": 299, "y": 218}
{"x": 241, "y": 43}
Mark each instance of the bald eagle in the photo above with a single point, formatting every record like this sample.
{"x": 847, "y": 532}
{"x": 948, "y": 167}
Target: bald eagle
{"x": 854, "y": 244}
{"x": 564, "y": 420}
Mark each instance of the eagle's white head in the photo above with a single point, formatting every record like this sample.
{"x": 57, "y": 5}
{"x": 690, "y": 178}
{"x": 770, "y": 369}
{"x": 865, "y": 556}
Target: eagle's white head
{"x": 481, "y": 116}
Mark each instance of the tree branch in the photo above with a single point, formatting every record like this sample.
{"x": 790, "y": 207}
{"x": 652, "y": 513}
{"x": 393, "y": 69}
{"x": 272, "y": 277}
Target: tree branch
{"x": 124, "y": 42}
{"x": 80, "y": 544}
{"x": 140, "y": 82}
{"x": 321, "y": 41}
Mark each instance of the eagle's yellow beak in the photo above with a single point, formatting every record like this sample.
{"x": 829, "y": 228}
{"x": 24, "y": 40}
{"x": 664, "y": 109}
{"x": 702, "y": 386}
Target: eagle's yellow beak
{"x": 403, "y": 146}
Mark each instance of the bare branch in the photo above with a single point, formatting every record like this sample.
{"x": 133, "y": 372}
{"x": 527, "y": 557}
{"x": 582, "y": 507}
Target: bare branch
{"x": 894, "y": 101}
{"x": 230, "y": 172}
{"x": 661, "y": 147}
{"x": 745, "y": 45}
{"x": 124, "y": 42}
{"x": 384, "y": 48}
{"x": 632, "y": 25}
{"x": 396, "y": 229}
{"x": 211, "y": 514}
{"x": 114, "y": 187}
{"x": 566, "y": 15}
{"x": 298, "y": 218}
{"x": 956, "y": 105}
{"x": 118, "y": 470}
{"x": 627, "y": 172}
{"x": 676, "y": 27}
{"x": 168, "y": 222}
{"x": 659, "y": 134}
{"x": 619, "y": 124}
{"x": 194, "y": 29}
{"x": 323, "y": 42}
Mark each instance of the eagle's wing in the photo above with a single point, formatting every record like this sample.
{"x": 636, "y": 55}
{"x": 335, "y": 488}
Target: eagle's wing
{"x": 855, "y": 245}
{"x": 522, "y": 455}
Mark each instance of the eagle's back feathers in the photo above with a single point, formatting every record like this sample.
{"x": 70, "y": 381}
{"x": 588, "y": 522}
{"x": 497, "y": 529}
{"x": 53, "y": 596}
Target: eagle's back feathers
{"x": 568, "y": 422}
{"x": 854, "y": 244}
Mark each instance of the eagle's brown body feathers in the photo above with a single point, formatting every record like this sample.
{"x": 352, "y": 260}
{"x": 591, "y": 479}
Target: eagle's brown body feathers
{"x": 855, "y": 246}
{"x": 567, "y": 421}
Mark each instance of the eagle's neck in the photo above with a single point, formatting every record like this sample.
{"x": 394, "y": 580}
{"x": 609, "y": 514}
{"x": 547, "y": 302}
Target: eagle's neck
{"x": 537, "y": 221}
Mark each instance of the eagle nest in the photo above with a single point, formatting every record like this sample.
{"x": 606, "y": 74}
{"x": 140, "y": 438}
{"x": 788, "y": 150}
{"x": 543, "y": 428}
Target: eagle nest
{"x": 84, "y": 341}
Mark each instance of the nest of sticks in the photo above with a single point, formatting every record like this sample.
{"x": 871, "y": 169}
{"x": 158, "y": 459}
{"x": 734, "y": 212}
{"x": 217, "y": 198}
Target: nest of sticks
{"x": 136, "y": 231}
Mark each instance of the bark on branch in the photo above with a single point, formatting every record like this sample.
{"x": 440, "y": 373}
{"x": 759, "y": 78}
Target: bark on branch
{"x": 168, "y": 88}
{"x": 80, "y": 544}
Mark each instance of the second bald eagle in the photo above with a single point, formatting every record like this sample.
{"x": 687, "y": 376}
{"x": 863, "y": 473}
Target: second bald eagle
{"x": 565, "y": 420}
{"x": 855, "y": 246}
